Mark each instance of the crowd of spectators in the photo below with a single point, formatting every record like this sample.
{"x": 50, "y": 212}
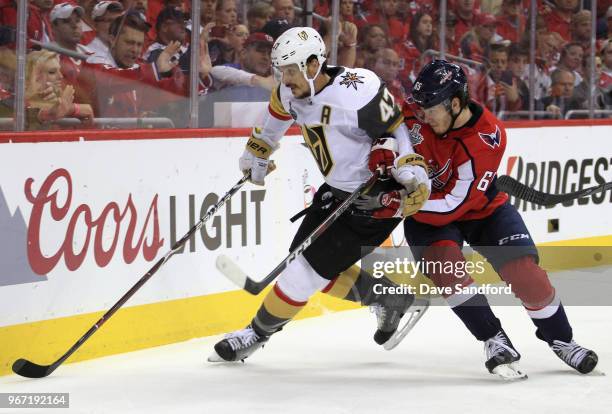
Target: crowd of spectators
{"x": 138, "y": 55}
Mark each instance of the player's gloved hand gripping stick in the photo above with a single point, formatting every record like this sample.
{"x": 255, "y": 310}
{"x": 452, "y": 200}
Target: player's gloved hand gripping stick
{"x": 29, "y": 369}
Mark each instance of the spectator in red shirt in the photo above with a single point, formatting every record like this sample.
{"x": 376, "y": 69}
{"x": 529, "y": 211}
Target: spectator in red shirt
{"x": 347, "y": 11}
{"x": 126, "y": 86}
{"x": 38, "y": 26}
{"x": 388, "y": 17}
{"x": 465, "y": 11}
{"x": 87, "y": 23}
{"x": 560, "y": 17}
{"x": 421, "y": 39}
{"x": 452, "y": 45}
{"x": 475, "y": 44}
{"x": 511, "y": 20}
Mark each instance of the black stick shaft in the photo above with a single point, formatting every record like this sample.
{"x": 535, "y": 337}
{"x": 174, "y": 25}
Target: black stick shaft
{"x": 175, "y": 248}
{"x": 256, "y": 287}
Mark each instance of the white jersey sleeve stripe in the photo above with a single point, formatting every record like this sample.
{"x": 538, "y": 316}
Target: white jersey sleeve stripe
{"x": 457, "y": 196}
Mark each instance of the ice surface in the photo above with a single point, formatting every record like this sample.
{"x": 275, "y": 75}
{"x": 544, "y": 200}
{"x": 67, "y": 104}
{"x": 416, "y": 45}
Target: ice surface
{"x": 331, "y": 365}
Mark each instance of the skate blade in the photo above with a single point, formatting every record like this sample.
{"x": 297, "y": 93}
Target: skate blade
{"x": 412, "y": 316}
{"x": 509, "y": 372}
{"x": 214, "y": 357}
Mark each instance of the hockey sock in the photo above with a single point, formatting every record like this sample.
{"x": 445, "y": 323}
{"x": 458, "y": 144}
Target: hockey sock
{"x": 275, "y": 312}
{"x": 356, "y": 285}
{"x": 551, "y": 322}
{"x": 478, "y": 317}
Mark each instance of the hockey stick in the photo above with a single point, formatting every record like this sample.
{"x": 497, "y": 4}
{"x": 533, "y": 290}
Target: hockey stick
{"x": 523, "y": 192}
{"x": 29, "y": 369}
{"x": 231, "y": 270}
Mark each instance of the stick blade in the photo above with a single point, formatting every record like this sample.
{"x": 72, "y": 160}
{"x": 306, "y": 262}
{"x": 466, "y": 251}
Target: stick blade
{"x": 29, "y": 369}
{"x": 231, "y": 271}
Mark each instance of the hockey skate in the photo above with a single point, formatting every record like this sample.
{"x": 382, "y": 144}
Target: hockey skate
{"x": 502, "y": 358}
{"x": 237, "y": 346}
{"x": 391, "y": 312}
{"x": 581, "y": 359}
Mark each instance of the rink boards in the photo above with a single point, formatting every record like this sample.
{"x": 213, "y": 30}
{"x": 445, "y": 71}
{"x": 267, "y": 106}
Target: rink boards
{"x": 84, "y": 216}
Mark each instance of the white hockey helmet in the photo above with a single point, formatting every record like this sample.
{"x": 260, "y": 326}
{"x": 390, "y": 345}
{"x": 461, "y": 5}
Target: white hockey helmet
{"x": 296, "y": 45}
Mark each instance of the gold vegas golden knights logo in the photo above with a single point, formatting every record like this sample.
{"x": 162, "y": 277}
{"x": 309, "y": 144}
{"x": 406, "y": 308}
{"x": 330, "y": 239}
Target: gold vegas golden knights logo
{"x": 314, "y": 136}
{"x": 303, "y": 35}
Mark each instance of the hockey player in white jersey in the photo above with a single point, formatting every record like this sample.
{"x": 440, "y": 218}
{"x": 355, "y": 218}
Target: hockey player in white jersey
{"x": 341, "y": 112}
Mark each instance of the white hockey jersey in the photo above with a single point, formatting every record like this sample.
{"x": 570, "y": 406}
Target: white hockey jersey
{"x": 339, "y": 123}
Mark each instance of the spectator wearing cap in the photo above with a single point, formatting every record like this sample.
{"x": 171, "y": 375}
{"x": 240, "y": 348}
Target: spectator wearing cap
{"x": 38, "y": 26}
{"x": 88, "y": 32}
{"x": 476, "y": 43}
{"x": 255, "y": 57}
{"x": 283, "y": 9}
{"x": 560, "y": 18}
{"x": 465, "y": 12}
{"x": 275, "y": 27}
{"x": 258, "y": 15}
{"x": 170, "y": 27}
{"x": 67, "y": 29}
{"x": 127, "y": 86}
{"x": 153, "y": 8}
{"x": 511, "y": 20}
{"x": 102, "y": 16}
{"x": 254, "y": 69}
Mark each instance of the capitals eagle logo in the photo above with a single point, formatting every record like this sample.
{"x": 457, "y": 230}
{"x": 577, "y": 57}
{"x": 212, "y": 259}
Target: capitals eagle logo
{"x": 493, "y": 139}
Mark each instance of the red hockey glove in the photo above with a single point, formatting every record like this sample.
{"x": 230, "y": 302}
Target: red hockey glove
{"x": 382, "y": 155}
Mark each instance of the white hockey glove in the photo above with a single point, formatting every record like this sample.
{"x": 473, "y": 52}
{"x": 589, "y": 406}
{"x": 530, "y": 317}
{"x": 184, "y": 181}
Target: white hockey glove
{"x": 256, "y": 159}
{"x": 411, "y": 172}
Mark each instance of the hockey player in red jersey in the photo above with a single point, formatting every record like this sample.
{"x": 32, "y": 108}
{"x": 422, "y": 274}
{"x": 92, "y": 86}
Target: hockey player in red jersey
{"x": 463, "y": 143}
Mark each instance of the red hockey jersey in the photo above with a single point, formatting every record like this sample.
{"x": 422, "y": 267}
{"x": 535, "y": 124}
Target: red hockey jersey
{"x": 462, "y": 167}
